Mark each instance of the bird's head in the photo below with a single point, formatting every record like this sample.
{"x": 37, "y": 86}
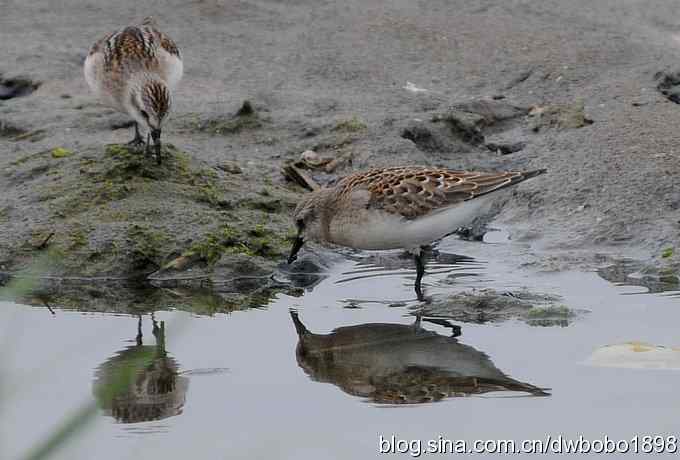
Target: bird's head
{"x": 150, "y": 104}
{"x": 308, "y": 221}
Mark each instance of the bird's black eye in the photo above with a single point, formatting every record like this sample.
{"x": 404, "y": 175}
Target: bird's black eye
{"x": 145, "y": 114}
{"x": 300, "y": 224}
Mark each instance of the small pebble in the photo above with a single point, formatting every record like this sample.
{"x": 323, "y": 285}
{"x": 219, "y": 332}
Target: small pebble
{"x": 309, "y": 156}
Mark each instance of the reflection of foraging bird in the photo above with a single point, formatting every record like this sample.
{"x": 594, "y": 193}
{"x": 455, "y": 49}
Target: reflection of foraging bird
{"x": 398, "y": 208}
{"x": 400, "y": 364}
{"x": 141, "y": 383}
{"x": 135, "y": 70}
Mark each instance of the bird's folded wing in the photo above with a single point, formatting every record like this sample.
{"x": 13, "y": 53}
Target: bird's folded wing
{"x": 412, "y": 193}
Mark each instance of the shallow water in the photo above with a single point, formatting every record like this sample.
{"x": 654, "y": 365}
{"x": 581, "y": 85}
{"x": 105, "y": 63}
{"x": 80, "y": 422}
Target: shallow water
{"x": 232, "y": 386}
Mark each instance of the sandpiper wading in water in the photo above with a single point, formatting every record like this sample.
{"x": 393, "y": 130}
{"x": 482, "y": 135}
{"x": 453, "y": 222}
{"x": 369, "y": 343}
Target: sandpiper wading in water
{"x": 397, "y": 208}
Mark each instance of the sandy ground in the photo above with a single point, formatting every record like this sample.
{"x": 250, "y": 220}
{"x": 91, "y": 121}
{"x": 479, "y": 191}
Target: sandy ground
{"x": 309, "y": 65}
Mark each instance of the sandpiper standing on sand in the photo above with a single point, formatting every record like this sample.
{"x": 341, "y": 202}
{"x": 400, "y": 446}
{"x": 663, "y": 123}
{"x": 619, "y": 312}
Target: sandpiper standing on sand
{"x": 135, "y": 70}
{"x": 398, "y": 208}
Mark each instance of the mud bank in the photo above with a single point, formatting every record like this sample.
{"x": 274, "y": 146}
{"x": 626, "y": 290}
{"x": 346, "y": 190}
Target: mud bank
{"x": 557, "y": 85}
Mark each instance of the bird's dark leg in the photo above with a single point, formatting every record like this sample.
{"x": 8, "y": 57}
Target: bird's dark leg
{"x": 49, "y": 307}
{"x": 138, "y": 339}
{"x": 159, "y": 333}
{"x": 156, "y": 330}
{"x": 138, "y": 140}
{"x": 419, "y": 317}
{"x": 147, "y": 150}
{"x": 420, "y": 271}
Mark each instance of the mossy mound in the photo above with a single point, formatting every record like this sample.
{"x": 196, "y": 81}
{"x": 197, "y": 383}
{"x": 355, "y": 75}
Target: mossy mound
{"x": 114, "y": 212}
{"x": 260, "y": 240}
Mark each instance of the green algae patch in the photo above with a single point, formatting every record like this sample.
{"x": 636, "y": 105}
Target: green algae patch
{"x": 550, "y": 312}
{"x": 211, "y": 194}
{"x": 124, "y": 172}
{"x": 271, "y": 205}
{"x": 78, "y": 238}
{"x": 61, "y": 152}
{"x": 213, "y": 245}
{"x": 127, "y": 163}
{"x": 350, "y": 125}
{"x": 668, "y": 276}
{"x": 258, "y": 241}
{"x": 147, "y": 246}
{"x": 116, "y": 214}
{"x": 550, "y": 315}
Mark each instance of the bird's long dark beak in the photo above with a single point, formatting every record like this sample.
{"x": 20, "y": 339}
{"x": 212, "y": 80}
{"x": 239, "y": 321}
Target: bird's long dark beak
{"x": 156, "y": 136}
{"x": 297, "y": 244}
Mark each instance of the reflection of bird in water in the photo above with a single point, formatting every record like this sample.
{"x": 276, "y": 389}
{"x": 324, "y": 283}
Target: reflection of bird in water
{"x": 400, "y": 364}
{"x": 141, "y": 383}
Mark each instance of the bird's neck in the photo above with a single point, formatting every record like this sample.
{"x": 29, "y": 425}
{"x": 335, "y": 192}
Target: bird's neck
{"x": 326, "y": 199}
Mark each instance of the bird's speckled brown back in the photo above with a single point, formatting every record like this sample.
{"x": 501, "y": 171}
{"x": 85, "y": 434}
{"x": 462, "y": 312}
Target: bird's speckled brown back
{"x": 414, "y": 191}
{"x": 135, "y": 48}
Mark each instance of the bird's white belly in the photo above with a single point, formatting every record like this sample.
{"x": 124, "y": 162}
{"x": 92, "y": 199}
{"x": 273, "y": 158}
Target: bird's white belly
{"x": 94, "y": 75}
{"x": 91, "y": 72}
{"x": 378, "y": 230}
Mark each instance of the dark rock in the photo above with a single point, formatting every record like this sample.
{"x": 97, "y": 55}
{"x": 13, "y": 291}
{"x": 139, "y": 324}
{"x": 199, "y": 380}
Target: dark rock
{"x": 487, "y": 305}
{"x": 122, "y": 124}
{"x": 17, "y": 87}
{"x": 9, "y": 130}
{"x": 673, "y": 200}
{"x": 465, "y": 126}
{"x": 475, "y": 233}
{"x": 424, "y": 138}
{"x": 505, "y": 149}
{"x": 307, "y": 271}
{"x": 462, "y": 126}
{"x": 668, "y": 84}
{"x": 246, "y": 109}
